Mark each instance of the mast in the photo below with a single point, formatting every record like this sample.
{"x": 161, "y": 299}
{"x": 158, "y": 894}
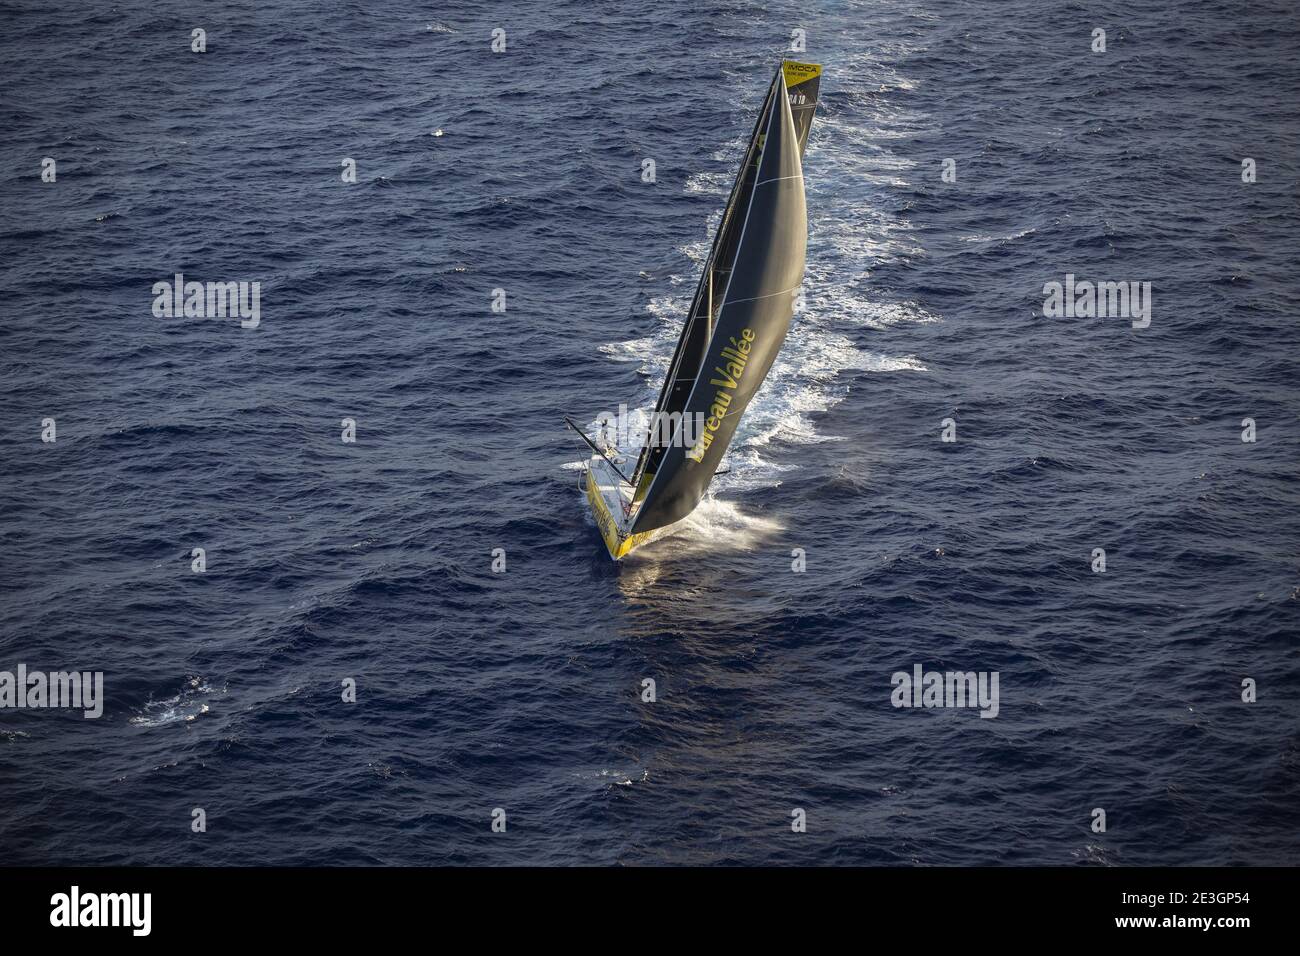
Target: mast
{"x": 709, "y": 279}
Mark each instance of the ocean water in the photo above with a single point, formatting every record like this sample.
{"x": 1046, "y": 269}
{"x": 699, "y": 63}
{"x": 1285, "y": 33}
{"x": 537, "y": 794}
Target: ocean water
{"x": 521, "y": 690}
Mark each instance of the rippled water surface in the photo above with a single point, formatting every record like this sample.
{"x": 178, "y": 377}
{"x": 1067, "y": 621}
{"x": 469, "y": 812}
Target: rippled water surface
{"x": 521, "y": 690}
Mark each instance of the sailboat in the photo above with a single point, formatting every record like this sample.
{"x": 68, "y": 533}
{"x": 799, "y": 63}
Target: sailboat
{"x": 737, "y": 322}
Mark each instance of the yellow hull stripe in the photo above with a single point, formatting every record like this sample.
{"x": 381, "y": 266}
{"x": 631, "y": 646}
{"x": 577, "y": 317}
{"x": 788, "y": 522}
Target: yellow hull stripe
{"x": 618, "y": 545}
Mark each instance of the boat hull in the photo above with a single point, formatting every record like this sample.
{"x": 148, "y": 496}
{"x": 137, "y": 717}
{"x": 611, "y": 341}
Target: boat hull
{"x": 607, "y": 497}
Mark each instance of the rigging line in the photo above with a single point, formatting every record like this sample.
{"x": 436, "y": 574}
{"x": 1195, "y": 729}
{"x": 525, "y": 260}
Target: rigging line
{"x": 609, "y": 461}
{"x": 777, "y": 179}
{"x": 757, "y": 297}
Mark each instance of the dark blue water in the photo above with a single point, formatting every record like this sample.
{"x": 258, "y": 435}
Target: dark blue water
{"x": 520, "y": 690}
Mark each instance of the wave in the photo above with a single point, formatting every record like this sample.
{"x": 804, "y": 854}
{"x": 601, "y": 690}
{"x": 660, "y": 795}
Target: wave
{"x": 186, "y": 706}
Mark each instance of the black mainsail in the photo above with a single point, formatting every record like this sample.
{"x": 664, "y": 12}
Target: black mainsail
{"x": 741, "y": 311}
